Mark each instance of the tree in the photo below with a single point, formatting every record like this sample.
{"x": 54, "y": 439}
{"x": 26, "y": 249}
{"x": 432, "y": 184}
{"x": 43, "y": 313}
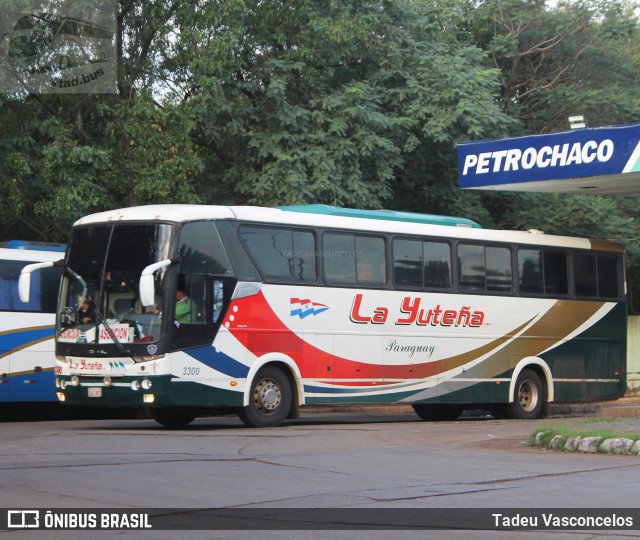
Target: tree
{"x": 557, "y": 62}
{"x": 330, "y": 101}
{"x": 72, "y": 154}
{"x": 448, "y": 91}
{"x": 576, "y": 58}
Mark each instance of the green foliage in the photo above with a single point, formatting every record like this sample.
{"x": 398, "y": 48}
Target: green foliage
{"x": 336, "y": 101}
{"x": 286, "y": 110}
{"x": 92, "y": 155}
{"x": 69, "y": 155}
{"x": 556, "y": 63}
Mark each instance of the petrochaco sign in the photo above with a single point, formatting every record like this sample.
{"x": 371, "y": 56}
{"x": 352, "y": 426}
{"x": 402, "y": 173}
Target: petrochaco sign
{"x": 58, "y": 46}
{"x": 573, "y": 154}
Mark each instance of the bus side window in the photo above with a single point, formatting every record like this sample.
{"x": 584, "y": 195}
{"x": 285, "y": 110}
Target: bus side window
{"x": 190, "y": 306}
{"x": 407, "y": 263}
{"x": 595, "y": 275}
{"x": 210, "y": 296}
{"x": 9, "y": 273}
{"x": 607, "y": 277}
{"x": 371, "y": 268}
{"x": 471, "y": 264}
{"x": 530, "y": 271}
{"x": 499, "y": 275}
{"x": 437, "y": 264}
{"x": 354, "y": 260}
{"x": 38, "y": 301}
{"x": 339, "y": 259}
{"x": 584, "y": 274}
{"x": 281, "y": 254}
{"x": 218, "y": 299}
{"x": 556, "y": 281}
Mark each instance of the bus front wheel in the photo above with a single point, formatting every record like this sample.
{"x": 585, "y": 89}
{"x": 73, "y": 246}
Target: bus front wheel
{"x": 528, "y": 398}
{"x": 270, "y": 399}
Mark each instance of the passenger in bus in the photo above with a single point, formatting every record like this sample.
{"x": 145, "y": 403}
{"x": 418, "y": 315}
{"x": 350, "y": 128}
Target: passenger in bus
{"x": 87, "y": 311}
{"x": 184, "y": 307}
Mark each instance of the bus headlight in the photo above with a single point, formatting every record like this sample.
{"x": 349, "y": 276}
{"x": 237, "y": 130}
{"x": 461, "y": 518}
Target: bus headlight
{"x": 75, "y": 381}
{"x": 63, "y": 384}
{"x": 135, "y": 385}
{"x": 107, "y": 381}
{"x": 146, "y": 384}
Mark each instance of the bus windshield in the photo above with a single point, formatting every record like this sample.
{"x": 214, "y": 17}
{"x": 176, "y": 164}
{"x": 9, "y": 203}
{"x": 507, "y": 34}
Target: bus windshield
{"x": 99, "y": 300}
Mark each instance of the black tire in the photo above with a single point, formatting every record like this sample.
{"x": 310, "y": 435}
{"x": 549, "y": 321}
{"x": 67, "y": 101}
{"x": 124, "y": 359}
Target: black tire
{"x": 270, "y": 399}
{"x": 172, "y": 417}
{"x": 528, "y": 397}
{"x": 437, "y": 413}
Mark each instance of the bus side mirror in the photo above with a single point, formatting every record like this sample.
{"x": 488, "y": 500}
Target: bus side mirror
{"x": 146, "y": 287}
{"x": 24, "y": 282}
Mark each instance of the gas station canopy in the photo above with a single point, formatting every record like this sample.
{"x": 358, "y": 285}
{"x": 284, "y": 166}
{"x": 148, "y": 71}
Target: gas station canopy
{"x": 603, "y": 160}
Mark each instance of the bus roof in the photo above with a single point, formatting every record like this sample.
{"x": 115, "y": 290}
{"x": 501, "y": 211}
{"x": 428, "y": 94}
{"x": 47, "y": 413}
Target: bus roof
{"x": 30, "y": 255}
{"x": 179, "y": 213}
{"x": 36, "y": 246}
{"x": 389, "y": 215}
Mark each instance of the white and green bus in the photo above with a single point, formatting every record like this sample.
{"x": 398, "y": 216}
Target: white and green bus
{"x": 311, "y": 305}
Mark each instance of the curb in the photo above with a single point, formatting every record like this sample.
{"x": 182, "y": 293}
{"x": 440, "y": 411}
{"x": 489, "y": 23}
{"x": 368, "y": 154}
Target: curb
{"x": 589, "y": 445}
{"x": 624, "y": 411}
{"x": 625, "y": 417}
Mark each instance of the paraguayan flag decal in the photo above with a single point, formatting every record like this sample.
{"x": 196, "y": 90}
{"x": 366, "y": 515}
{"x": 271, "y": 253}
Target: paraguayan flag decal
{"x": 303, "y": 307}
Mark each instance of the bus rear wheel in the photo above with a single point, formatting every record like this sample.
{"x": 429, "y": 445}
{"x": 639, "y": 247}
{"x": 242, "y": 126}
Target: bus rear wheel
{"x": 270, "y": 399}
{"x": 437, "y": 413}
{"x": 528, "y": 397}
{"x": 172, "y": 417}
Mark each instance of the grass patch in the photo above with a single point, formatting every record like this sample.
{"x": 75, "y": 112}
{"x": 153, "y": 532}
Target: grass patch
{"x": 584, "y": 427}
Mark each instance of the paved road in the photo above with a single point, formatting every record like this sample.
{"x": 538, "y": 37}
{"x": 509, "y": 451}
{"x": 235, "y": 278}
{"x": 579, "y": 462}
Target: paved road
{"x": 325, "y": 460}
